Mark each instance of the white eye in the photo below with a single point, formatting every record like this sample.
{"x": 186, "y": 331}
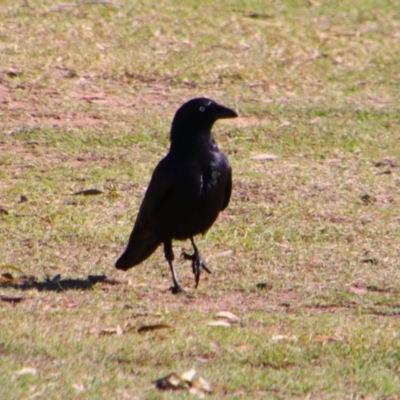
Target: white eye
{"x": 202, "y": 109}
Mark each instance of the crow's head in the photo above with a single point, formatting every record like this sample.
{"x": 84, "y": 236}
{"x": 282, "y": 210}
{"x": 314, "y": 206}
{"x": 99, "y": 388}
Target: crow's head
{"x": 198, "y": 115}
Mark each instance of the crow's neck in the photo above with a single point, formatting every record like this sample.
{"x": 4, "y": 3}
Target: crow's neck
{"x": 191, "y": 144}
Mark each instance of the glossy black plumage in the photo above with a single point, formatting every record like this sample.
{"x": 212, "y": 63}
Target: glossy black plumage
{"x": 188, "y": 189}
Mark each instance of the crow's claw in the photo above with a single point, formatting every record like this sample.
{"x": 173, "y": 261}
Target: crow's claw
{"x": 197, "y": 265}
{"x": 177, "y": 289}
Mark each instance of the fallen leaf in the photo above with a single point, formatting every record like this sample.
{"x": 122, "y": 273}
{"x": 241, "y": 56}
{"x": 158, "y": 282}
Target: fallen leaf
{"x": 202, "y": 359}
{"x": 246, "y": 347}
{"x": 264, "y": 285}
{"x": 328, "y": 339}
{"x": 105, "y": 331}
{"x": 27, "y": 371}
{"x": 228, "y": 315}
{"x": 264, "y": 157}
{"x": 227, "y": 253}
{"x": 6, "y": 278}
{"x": 219, "y": 323}
{"x": 150, "y": 328}
{"x": 387, "y": 163}
{"x": 119, "y": 330}
{"x": 194, "y": 391}
{"x": 358, "y": 289}
{"x": 188, "y": 375}
{"x": 108, "y": 331}
{"x": 204, "y": 385}
{"x": 368, "y": 199}
{"x": 11, "y": 299}
{"x": 186, "y": 381}
{"x": 88, "y": 192}
{"x": 3, "y": 211}
{"x": 79, "y": 387}
{"x": 171, "y": 381}
{"x": 278, "y": 338}
{"x": 214, "y": 347}
{"x": 12, "y": 72}
{"x": 22, "y": 199}
{"x": 369, "y": 260}
{"x": 255, "y": 15}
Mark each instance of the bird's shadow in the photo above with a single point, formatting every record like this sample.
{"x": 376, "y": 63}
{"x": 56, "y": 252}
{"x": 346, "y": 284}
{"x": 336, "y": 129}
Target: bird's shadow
{"x": 53, "y": 285}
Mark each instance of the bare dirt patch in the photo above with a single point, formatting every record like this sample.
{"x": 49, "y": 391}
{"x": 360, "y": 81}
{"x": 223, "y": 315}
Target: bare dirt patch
{"x": 64, "y": 108}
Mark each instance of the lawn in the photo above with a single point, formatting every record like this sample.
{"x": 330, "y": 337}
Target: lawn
{"x": 305, "y": 258}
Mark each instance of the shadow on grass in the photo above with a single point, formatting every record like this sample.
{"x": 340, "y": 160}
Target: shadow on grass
{"x": 52, "y": 285}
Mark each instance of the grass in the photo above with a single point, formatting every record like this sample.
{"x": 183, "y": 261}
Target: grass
{"x": 87, "y": 96}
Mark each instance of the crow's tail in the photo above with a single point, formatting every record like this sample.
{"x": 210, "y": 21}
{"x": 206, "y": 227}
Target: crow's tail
{"x": 136, "y": 252}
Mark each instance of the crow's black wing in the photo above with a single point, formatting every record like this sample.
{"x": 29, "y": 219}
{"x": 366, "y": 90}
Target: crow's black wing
{"x": 160, "y": 183}
{"x": 228, "y": 188}
{"x": 143, "y": 240}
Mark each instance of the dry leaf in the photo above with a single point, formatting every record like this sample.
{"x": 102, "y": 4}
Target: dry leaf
{"x": 150, "y": 328}
{"x": 246, "y": 347}
{"x": 11, "y": 299}
{"x": 171, "y": 381}
{"x": 368, "y": 199}
{"x": 358, "y": 290}
{"x": 3, "y": 211}
{"x": 227, "y": 253}
{"x": 328, "y": 339}
{"x": 196, "y": 387}
{"x": 264, "y": 157}
{"x": 119, "y": 330}
{"x": 27, "y": 371}
{"x": 108, "y": 331}
{"x": 204, "y": 385}
{"x": 278, "y": 338}
{"x": 199, "y": 387}
{"x": 219, "y": 322}
{"x": 79, "y": 387}
{"x": 189, "y": 375}
{"x": 22, "y": 199}
{"x": 228, "y": 315}
{"x": 6, "y": 278}
{"x": 194, "y": 391}
{"x": 88, "y": 192}
{"x": 12, "y": 72}
{"x": 264, "y": 285}
{"x": 214, "y": 347}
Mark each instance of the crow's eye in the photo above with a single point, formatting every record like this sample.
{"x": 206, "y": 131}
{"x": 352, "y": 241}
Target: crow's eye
{"x": 202, "y": 109}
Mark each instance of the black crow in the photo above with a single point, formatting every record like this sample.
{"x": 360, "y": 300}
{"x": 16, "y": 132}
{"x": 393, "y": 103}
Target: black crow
{"x": 188, "y": 189}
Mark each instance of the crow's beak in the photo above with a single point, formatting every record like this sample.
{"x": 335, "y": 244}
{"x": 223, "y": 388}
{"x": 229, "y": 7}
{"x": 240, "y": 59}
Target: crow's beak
{"x": 221, "y": 112}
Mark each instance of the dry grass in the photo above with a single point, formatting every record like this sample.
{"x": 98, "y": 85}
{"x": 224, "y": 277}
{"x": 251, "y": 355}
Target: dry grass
{"x": 87, "y": 93}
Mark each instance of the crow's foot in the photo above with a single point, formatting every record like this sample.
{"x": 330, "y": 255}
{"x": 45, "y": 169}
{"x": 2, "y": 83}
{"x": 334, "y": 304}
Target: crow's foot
{"x": 177, "y": 289}
{"x": 197, "y": 265}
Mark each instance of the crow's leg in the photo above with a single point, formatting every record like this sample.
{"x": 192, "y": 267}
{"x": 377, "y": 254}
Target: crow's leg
{"x": 197, "y": 262}
{"x": 169, "y": 255}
